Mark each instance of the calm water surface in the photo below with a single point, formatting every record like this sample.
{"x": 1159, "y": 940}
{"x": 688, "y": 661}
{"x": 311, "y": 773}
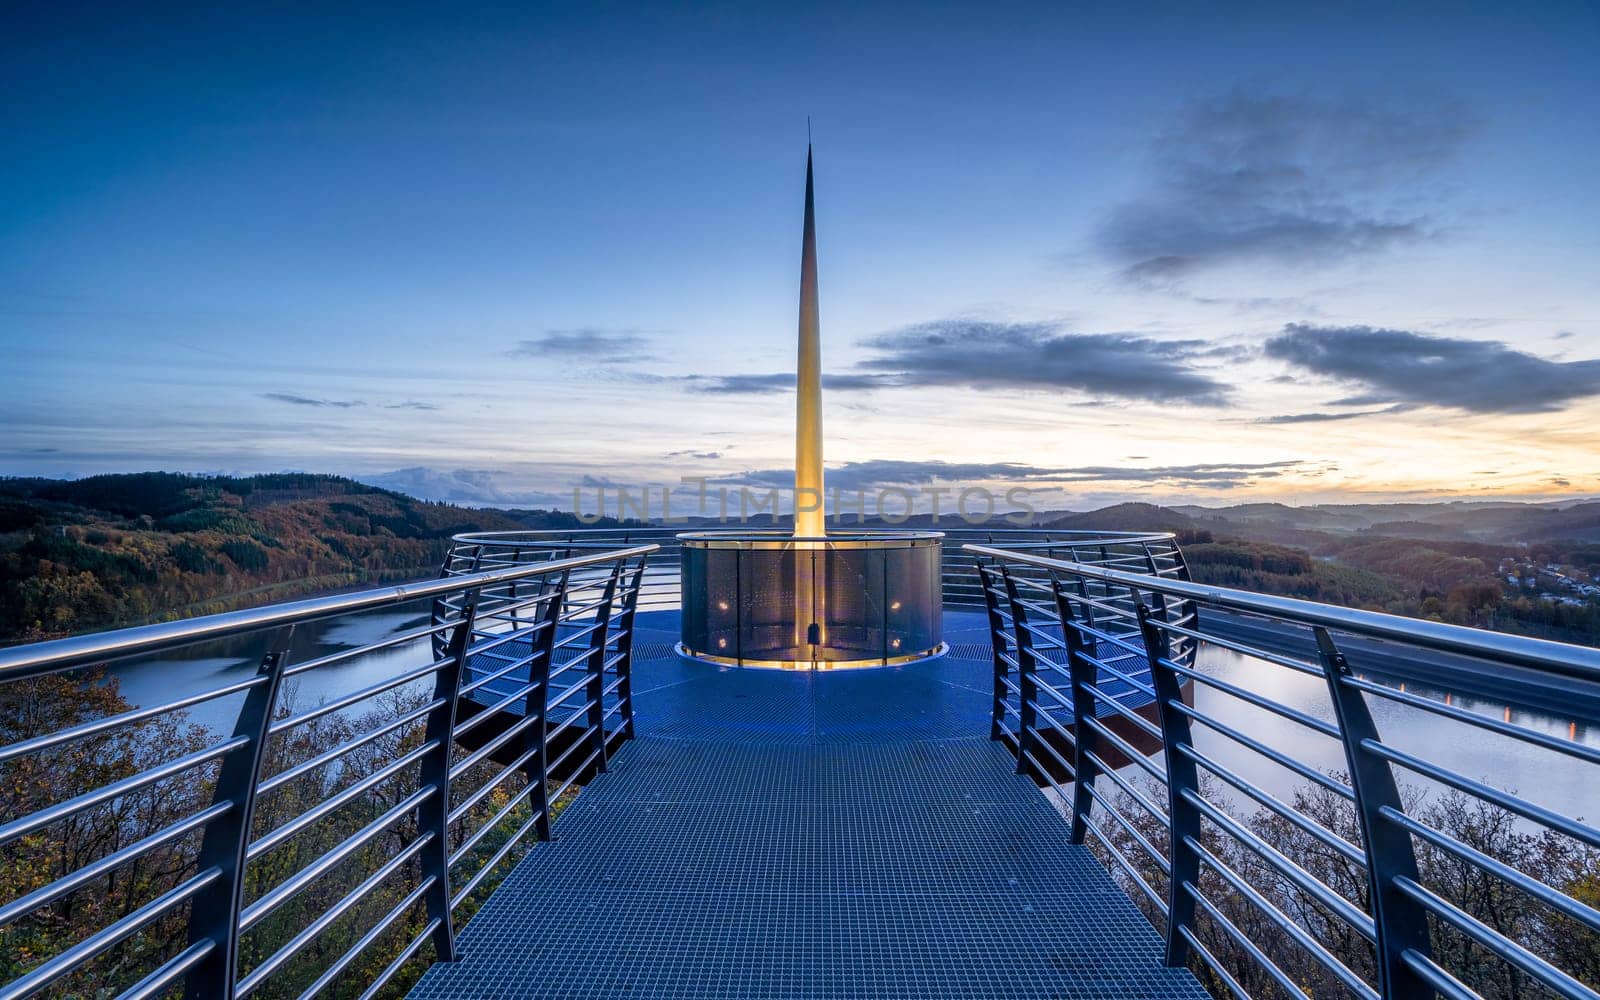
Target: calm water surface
{"x": 1542, "y": 776}
{"x": 158, "y": 679}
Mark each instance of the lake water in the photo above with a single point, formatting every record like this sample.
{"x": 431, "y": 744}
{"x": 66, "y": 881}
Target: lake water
{"x": 165, "y": 678}
{"x": 1543, "y": 776}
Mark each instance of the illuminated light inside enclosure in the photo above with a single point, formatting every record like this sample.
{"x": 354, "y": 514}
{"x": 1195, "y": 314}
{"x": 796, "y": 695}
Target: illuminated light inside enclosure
{"x": 851, "y": 600}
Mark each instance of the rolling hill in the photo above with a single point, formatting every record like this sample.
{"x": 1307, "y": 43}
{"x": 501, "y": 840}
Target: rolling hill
{"x": 105, "y": 551}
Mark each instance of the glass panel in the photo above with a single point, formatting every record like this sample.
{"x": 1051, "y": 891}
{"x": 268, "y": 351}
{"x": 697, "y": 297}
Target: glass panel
{"x": 767, "y": 604}
{"x": 853, "y": 604}
{"x": 867, "y": 603}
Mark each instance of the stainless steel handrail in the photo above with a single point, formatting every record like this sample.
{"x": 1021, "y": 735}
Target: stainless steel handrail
{"x": 1572, "y": 661}
{"x": 580, "y": 536}
{"x": 474, "y": 550}
{"x": 118, "y": 644}
{"x": 408, "y": 766}
{"x": 1247, "y": 901}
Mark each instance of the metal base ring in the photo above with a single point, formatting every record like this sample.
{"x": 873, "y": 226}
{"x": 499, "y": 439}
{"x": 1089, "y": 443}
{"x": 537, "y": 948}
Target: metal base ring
{"x": 877, "y": 661}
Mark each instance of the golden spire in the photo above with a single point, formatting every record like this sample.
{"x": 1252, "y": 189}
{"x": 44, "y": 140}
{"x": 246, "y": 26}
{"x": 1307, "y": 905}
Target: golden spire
{"x": 808, "y": 523}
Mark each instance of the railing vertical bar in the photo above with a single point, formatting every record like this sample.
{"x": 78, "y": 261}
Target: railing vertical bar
{"x": 1085, "y": 741}
{"x": 630, "y": 605}
{"x": 214, "y": 914}
{"x": 1182, "y": 817}
{"x": 536, "y": 771}
{"x": 1400, "y": 921}
{"x": 1027, "y": 680}
{"x": 433, "y": 813}
{"x": 596, "y": 693}
{"x": 991, "y": 603}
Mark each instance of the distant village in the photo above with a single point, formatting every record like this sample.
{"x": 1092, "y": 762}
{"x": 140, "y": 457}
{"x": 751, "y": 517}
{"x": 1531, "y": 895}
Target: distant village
{"x": 1553, "y": 582}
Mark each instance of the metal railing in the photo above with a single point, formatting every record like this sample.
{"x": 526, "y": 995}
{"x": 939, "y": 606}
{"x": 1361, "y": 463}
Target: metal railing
{"x": 1115, "y": 549}
{"x": 1352, "y": 885}
{"x": 307, "y": 844}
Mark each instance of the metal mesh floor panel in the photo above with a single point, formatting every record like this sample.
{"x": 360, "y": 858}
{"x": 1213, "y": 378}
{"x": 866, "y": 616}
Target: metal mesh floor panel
{"x": 774, "y": 834}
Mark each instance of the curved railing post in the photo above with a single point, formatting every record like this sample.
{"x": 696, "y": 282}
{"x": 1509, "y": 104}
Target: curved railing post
{"x": 536, "y": 706}
{"x": 441, "y": 604}
{"x": 1183, "y": 780}
{"x": 595, "y": 691}
{"x": 215, "y": 912}
{"x": 1027, "y": 676}
{"x": 1182, "y": 571}
{"x": 997, "y": 644}
{"x": 630, "y": 605}
{"x": 1400, "y": 921}
{"x": 433, "y": 815}
{"x": 1085, "y": 744}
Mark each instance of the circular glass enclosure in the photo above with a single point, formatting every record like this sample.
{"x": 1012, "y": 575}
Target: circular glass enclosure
{"x": 766, "y": 599}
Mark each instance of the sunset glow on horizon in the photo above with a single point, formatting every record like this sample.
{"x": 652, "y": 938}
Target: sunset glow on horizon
{"x": 1332, "y": 256}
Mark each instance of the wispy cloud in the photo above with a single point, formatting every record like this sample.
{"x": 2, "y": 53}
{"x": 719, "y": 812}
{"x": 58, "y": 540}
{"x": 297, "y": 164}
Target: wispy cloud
{"x": 898, "y": 472}
{"x": 776, "y": 382}
{"x": 588, "y": 343}
{"x": 1405, "y": 367}
{"x": 1215, "y": 475}
{"x": 895, "y": 472}
{"x": 1287, "y": 179}
{"x": 295, "y": 399}
{"x": 410, "y": 404}
{"x": 707, "y": 455}
{"x": 1322, "y": 418}
{"x": 1044, "y": 356}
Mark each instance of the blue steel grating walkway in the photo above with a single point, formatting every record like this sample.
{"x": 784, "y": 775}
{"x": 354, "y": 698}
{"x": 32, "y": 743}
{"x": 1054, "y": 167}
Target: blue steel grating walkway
{"x": 773, "y": 834}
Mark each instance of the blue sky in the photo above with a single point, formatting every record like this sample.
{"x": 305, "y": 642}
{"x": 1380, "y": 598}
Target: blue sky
{"x": 1162, "y": 253}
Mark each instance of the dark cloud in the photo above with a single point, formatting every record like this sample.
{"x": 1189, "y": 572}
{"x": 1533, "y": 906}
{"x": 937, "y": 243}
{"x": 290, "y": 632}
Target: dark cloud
{"x": 895, "y": 472}
{"x": 1030, "y": 356}
{"x": 410, "y": 404}
{"x": 1041, "y": 356}
{"x": 588, "y": 344}
{"x": 1293, "y": 180}
{"x": 1404, "y": 367}
{"x": 298, "y": 400}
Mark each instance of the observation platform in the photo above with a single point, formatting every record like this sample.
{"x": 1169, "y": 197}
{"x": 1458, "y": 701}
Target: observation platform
{"x": 776, "y": 833}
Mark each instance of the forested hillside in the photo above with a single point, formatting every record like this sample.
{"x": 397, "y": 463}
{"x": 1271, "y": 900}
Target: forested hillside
{"x": 1446, "y": 562}
{"x": 94, "y": 553}
{"x": 87, "y": 554}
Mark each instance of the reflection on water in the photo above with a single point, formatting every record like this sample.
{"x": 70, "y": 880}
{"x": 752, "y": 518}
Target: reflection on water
{"x": 161, "y": 679}
{"x": 1542, "y": 776}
